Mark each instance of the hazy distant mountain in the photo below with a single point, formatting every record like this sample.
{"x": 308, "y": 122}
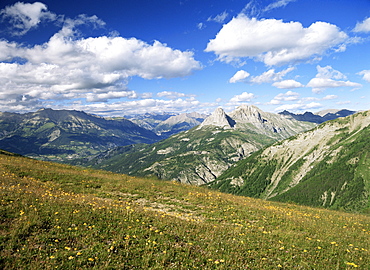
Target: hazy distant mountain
{"x": 167, "y": 124}
{"x": 178, "y": 123}
{"x": 62, "y": 134}
{"x": 149, "y": 120}
{"x": 327, "y": 166}
{"x": 319, "y": 117}
{"x": 200, "y": 155}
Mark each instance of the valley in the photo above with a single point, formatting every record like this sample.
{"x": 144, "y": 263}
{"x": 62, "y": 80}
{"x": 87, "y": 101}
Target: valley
{"x": 199, "y": 155}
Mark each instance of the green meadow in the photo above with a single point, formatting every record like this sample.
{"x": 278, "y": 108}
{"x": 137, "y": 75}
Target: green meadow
{"x": 56, "y": 216}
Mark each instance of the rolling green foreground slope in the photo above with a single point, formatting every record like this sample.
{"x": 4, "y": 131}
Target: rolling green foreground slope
{"x": 328, "y": 166}
{"x": 64, "y": 217}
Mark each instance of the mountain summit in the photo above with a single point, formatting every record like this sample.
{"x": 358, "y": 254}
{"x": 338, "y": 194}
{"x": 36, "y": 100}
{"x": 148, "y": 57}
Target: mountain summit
{"x": 218, "y": 118}
{"x": 252, "y": 119}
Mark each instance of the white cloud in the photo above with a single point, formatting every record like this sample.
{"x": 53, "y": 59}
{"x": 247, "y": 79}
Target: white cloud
{"x": 278, "y": 4}
{"x": 274, "y": 42}
{"x": 104, "y": 97}
{"x": 365, "y": 75}
{"x": 288, "y": 96}
{"x": 325, "y": 79}
{"x": 298, "y": 107}
{"x": 145, "y": 105}
{"x": 172, "y": 94}
{"x": 329, "y": 73}
{"x": 25, "y": 16}
{"x": 320, "y": 84}
{"x": 344, "y": 102}
{"x": 243, "y": 97}
{"x": 220, "y": 18}
{"x": 288, "y": 84}
{"x": 67, "y": 68}
{"x": 363, "y": 26}
{"x": 201, "y": 26}
{"x": 146, "y": 95}
{"x": 271, "y": 76}
{"x": 329, "y": 97}
{"x": 239, "y": 76}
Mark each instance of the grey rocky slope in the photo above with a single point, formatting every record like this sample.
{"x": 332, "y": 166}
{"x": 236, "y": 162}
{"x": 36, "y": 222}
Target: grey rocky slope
{"x": 61, "y": 135}
{"x": 200, "y": 155}
{"x": 327, "y": 166}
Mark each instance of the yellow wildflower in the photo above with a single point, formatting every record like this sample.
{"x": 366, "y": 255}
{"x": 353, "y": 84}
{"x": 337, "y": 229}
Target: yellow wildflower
{"x": 351, "y": 264}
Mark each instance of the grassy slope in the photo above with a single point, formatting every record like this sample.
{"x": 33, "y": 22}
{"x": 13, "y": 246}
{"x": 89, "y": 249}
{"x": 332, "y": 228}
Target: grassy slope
{"x": 58, "y": 216}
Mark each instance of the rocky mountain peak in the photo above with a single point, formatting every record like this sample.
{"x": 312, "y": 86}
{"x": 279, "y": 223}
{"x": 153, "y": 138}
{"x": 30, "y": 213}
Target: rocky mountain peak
{"x": 218, "y": 118}
{"x": 247, "y": 113}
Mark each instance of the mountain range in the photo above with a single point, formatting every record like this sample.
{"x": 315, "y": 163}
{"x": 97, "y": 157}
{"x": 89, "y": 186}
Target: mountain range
{"x": 327, "y": 166}
{"x": 245, "y": 152}
{"x": 167, "y": 124}
{"x": 61, "y": 135}
{"x": 319, "y": 117}
{"x": 199, "y": 155}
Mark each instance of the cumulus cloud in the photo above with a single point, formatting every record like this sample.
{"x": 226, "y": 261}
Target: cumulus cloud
{"x": 65, "y": 67}
{"x": 327, "y": 77}
{"x": 239, "y": 76}
{"x": 288, "y": 84}
{"x": 363, "y": 26}
{"x": 145, "y": 105}
{"x": 288, "y": 96}
{"x": 243, "y": 97}
{"x": 23, "y": 17}
{"x": 320, "y": 84}
{"x": 104, "y": 97}
{"x": 365, "y": 75}
{"x": 271, "y": 76}
{"x": 69, "y": 71}
{"x": 274, "y": 42}
{"x": 172, "y": 94}
{"x": 68, "y": 68}
{"x": 329, "y": 97}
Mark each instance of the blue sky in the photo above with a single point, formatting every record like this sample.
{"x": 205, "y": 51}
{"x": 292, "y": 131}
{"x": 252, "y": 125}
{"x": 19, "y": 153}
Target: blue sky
{"x": 114, "y": 58}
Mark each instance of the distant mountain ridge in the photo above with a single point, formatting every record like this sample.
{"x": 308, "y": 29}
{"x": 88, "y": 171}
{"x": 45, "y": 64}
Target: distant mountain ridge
{"x": 319, "y": 117}
{"x": 201, "y": 154}
{"x": 328, "y": 166}
{"x": 167, "y": 124}
{"x": 61, "y": 135}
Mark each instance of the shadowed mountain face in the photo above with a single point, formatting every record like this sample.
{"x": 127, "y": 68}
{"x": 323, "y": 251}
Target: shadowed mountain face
{"x": 62, "y": 134}
{"x": 319, "y": 117}
{"x": 200, "y": 155}
{"x": 327, "y": 166}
